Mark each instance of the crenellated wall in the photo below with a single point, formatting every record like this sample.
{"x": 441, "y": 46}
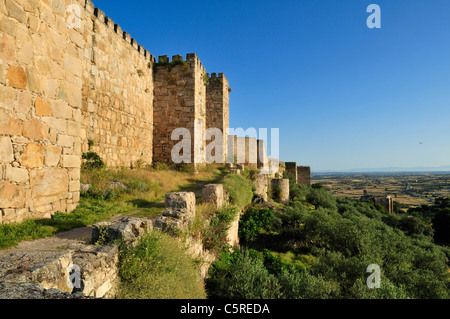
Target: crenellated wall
{"x": 180, "y": 102}
{"x": 72, "y": 81}
{"x": 118, "y": 88}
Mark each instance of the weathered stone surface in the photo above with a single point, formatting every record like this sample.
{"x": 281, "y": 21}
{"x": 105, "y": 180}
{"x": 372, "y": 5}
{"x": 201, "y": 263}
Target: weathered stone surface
{"x": 9, "y": 125}
{"x": 17, "y": 175}
{"x": 291, "y": 169}
{"x": 45, "y": 274}
{"x": 32, "y": 290}
{"x": 180, "y": 205}
{"x": 169, "y": 224}
{"x": 48, "y": 185}
{"x": 52, "y": 155}
{"x": 60, "y": 109}
{"x": 6, "y": 150}
{"x": 85, "y": 187}
{"x": 280, "y": 190}
{"x": 42, "y": 108}
{"x": 304, "y": 175}
{"x": 261, "y": 185}
{"x": 17, "y": 77}
{"x": 65, "y": 140}
{"x": 32, "y": 156}
{"x": 35, "y": 129}
{"x": 99, "y": 269}
{"x": 7, "y": 47}
{"x": 128, "y": 229}
{"x": 213, "y": 194}
{"x": 15, "y": 11}
{"x": 11, "y": 195}
{"x": 23, "y": 103}
{"x": 71, "y": 161}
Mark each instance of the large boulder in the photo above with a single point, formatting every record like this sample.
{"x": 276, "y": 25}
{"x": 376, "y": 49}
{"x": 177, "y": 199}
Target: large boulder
{"x": 126, "y": 229}
{"x": 179, "y": 212}
{"x": 213, "y": 194}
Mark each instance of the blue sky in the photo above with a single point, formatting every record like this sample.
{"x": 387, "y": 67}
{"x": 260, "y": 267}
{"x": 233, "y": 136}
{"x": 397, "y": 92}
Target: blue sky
{"x": 344, "y": 96}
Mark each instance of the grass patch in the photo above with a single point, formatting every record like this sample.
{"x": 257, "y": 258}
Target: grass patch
{"x": 158, "y": 268}
{"x": 240, "y": 190}
{"x": 89, "y": 212}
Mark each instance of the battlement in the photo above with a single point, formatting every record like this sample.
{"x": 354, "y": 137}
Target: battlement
{"x": 99, "y": 15}
{"x": 217, "y": 77}
{"x": 191, "y": 59}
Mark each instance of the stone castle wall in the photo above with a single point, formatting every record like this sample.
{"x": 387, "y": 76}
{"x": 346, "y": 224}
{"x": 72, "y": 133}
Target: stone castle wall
{"x": 40, "y": 109}
{"x": 69, "y": 89}
{"x": 66, "y": 89}
{"x": 291, "y": 169}
{"x": 117, "y": 94}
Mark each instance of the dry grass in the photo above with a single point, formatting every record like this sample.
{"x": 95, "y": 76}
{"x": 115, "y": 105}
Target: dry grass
{"x": 146, "y": 187}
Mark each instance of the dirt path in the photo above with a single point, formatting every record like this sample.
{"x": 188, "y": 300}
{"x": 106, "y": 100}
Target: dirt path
{"x": 59, "y": 241}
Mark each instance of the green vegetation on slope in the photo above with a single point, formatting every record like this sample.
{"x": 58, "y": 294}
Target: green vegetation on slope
{"x": 321, "y": 246}
{"x": 158, "y": 268}
{"x": 239, "y": 188}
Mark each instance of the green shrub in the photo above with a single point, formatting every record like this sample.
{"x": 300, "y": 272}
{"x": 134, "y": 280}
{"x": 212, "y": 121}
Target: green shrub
{"x": 241, "y": 276}
{"x": 92, "y": 161}
{"x": 215, "y": 235}
{"x": 158, "y": 268}
{"x": 253, "y": 222}
{"x": 240, "y": 190}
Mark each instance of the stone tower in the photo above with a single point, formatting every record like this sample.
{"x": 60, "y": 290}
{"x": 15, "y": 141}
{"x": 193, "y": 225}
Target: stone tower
{"x": 217, "y": 105}
{"x": 304, "y": 175}
{"x": 179, "y": 102}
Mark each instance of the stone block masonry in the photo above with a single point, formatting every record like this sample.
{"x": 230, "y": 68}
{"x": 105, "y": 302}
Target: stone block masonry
{"x": 68, "y": 88}
{"x": 213, "y": 194}
{"x": 217, "y": 106}
{"x": 243, "y": 150}
{"x": 180, "y": 102}
{"x": 117, "y": 106}
{"x": 280, "y": 190}
{"x": 40, "y": 109}
{"x": 291, "y": 169}
{"x": 304, "y": 175}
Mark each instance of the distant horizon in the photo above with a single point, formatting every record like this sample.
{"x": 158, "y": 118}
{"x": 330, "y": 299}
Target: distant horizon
{"x": 389, "y": 170}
